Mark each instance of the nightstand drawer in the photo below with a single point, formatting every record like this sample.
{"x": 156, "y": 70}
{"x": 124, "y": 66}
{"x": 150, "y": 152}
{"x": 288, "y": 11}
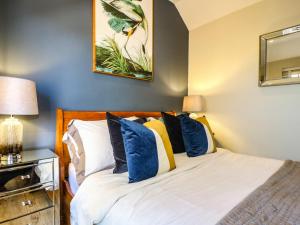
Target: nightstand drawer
{"x": 16, "y": 179}
{"x": 24, "y": 204}
{"x": 45, "y": 217}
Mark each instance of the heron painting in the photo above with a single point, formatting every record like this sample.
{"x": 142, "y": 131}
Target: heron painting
{"x": 123, "y": 38}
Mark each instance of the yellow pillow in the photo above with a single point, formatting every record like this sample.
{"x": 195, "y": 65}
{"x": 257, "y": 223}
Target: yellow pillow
{"x": 160, "y": 128}
{"x": 204, "y": 121}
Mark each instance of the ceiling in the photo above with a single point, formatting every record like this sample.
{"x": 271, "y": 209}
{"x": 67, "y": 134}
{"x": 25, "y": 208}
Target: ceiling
{"x": 199, "y": 12}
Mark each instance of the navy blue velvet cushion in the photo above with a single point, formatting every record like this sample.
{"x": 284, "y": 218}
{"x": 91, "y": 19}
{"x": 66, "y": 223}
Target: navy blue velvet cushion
{"x": 194, "y": 136}
{"x": 140, "y": 149}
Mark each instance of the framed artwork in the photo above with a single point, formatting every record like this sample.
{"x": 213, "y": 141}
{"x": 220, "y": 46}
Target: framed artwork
{"x": 123, "y": 38}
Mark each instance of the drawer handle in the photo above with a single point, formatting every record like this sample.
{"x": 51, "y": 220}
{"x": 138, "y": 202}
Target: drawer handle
{"x": 26, "y": 203}
{"x": 25, "y": 177}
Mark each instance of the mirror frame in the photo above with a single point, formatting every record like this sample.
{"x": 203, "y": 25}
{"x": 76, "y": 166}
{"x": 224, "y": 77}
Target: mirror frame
{"x": 263, "y": 50}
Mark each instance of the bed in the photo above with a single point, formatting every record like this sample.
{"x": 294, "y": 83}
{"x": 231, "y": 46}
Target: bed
{"x": 63, "y": 117}
{"x": 219, "y": 188}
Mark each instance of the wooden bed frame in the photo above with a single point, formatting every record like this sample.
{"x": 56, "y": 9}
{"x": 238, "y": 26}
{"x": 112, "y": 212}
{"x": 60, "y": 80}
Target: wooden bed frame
{"x": 62, "y": 120}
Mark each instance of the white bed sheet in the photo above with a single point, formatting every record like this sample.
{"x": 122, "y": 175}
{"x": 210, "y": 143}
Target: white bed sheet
{"x": 72, "y": 179}
{"x": 200, "y": 191}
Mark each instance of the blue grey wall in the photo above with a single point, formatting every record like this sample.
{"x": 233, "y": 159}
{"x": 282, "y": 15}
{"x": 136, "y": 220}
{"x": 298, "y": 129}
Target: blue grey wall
{"x": 50, "y": 43}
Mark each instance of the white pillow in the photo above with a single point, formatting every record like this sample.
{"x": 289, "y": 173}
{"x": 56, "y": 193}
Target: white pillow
{"x": 76, "y": 151}
{"x": 68, "y": 140}
{"x": 132, "y": 118}
{"x": 82, "y": 139}
{"x": 96, "y": 143}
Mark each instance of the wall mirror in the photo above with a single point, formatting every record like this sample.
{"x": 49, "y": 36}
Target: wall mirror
{"x": 280, "y": 57}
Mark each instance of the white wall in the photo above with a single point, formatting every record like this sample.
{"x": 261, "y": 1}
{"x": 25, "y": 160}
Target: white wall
{"x": 223, "y": 67}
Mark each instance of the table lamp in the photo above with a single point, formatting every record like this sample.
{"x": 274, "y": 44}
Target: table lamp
{"x": 192, "y": 104}
{"x": 17, "y": 97}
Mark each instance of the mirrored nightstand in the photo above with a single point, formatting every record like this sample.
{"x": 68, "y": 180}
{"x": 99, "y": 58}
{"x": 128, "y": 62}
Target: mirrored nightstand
{"x": 29, "y": 189}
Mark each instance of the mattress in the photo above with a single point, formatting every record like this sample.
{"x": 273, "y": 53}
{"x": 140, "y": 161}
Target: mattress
{"x": 72, "y": 179}
{"x": 201, "y": 190}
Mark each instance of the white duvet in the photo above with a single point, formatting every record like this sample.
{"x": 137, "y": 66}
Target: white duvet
{"x": 201, "y": 191}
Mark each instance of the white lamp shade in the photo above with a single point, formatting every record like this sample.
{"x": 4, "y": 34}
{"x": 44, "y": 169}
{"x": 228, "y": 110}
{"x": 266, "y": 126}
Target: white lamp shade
{"x": 17, "y": 97}
{"x": 192, "y": 103}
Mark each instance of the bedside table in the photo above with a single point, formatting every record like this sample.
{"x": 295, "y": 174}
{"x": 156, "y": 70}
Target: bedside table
{"x": 29, "y": 190}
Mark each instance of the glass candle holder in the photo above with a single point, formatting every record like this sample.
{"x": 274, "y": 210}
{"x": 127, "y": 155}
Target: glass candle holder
{"x": 11, "y": 136}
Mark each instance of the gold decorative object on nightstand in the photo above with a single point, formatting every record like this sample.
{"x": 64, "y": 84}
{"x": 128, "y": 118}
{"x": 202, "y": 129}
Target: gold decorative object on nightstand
{"x": 29, "y": 190}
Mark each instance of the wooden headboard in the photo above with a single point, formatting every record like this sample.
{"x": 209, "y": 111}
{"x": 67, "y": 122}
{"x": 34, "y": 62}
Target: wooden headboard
{"x": 64, "y": 117}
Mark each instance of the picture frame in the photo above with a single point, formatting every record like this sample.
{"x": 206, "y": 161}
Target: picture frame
{"x": 122, "y": 39}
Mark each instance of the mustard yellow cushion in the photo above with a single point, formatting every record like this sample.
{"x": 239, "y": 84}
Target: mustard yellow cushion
{"x": 160, "y": 128}
{"x": 204, "y": 121}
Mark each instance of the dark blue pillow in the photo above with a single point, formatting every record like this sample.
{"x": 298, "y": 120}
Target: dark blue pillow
{"x": 194, "y": 136}
{"x": 117, "y": 143}
{"x": 140, "y": 149}
{"x": 175, "y": 132}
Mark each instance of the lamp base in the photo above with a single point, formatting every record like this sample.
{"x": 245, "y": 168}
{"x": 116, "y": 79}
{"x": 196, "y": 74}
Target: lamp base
{"x": 13, "y": 149}
{"x": 10, "y": 159}
{"x": 11, "y": 136}
{"x": 193, "y": 116}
